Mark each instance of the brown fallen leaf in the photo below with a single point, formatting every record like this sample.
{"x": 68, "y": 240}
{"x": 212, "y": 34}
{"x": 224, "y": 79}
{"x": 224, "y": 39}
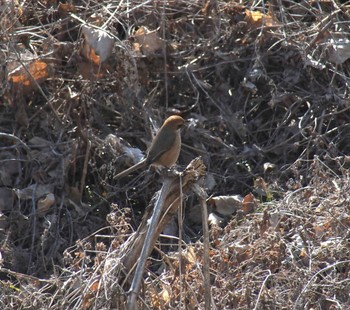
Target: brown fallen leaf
{"x": 45, "y": 203}
{"x": 26, "y": 79}
{"x": 148, "y": 42}
{"x": 225, "y": 205}
{"x": 249, "y": 204}
{"x": 257, "y": 19}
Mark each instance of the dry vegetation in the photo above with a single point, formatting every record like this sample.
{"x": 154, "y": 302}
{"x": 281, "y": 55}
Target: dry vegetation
{"x": 265, "y": 89}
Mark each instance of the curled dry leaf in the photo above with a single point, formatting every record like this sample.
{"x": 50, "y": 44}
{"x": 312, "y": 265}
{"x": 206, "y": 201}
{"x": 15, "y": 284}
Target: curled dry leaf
{"x": 89, "y": 296}
{"x": 249, "y": 204}
{"x": 98, "y": 44}
{"x": 257, "y": 19}
{"x": 45, "y": 203}
{"x": 190, "y": 256}
{"x": 148, "y": 42}
{"x": 159, "y": 299}
{"x": 225, "y": 205}
{"x": 27, "y": 79}
{"x": 65, "y": 8}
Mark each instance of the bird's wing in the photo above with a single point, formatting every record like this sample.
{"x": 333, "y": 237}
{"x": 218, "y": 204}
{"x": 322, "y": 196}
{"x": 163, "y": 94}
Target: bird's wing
{"x": 162, "y": 142}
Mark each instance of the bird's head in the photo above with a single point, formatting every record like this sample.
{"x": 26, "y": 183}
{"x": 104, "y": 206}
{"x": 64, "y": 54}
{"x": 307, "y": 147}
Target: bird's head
{"x": 174, "y": 121}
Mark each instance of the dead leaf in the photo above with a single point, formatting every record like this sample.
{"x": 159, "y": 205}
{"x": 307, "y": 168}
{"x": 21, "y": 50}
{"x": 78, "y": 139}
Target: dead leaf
{"x": 165, "y": 295}
{"x": 45, "y": 203}
{"x": 190, "y": 255}
{"x": 148, "y": 42}
{"x": 89, "y": 54}
{"x": 98, "y": 44}
{"x": 65, "y": 8}
{"x": 27, "y": 79}
{"x": 265, "y": 222}
{"x": 95, "y": 285}
{"x": 225, "y": 205}
{"x": 257, "y": 19}
{"x": 249, "y": 204}
{"x": 159, "y": 299}
{"x": 88, "y": 297}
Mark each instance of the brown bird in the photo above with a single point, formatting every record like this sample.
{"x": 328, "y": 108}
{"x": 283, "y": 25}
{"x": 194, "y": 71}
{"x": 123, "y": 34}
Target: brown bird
{"x": 165, "y": 147}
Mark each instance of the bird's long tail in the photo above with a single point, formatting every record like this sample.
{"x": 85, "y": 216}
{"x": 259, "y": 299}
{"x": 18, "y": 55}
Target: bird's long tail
{"x": 126, "y": 172}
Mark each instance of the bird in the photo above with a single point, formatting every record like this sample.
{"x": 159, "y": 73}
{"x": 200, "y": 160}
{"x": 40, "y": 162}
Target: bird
{"x": 165, "y": 147}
